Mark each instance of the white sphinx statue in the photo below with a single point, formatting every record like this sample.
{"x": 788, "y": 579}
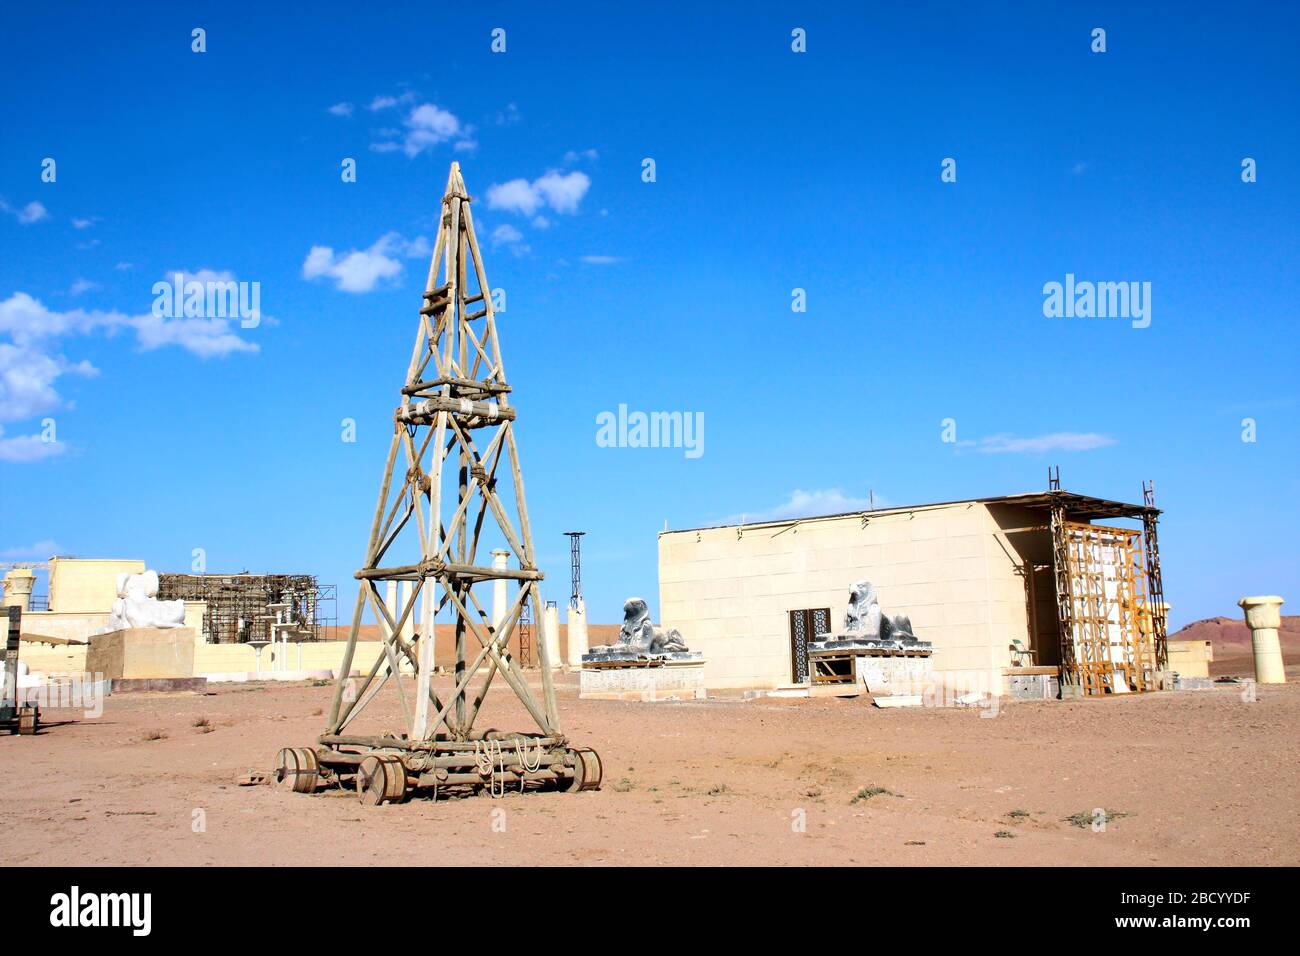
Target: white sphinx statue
{"x": 137, "y": 605}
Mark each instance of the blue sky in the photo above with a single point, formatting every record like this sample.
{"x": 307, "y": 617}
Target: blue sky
{"x": 775, "y": 170}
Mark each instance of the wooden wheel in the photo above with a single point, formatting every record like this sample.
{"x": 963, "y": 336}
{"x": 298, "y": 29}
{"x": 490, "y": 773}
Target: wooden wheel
{"x": 587, "y": 771}
{"x": 297, "y": 770}
{"x": 381, "y": 778}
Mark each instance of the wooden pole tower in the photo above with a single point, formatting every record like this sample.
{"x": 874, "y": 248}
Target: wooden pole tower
{"x": 453, "y": 443}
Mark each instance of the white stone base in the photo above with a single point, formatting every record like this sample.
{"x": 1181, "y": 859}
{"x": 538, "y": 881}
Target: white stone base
{"x": 885, "y": 674}
{"x": 682, "y": 680}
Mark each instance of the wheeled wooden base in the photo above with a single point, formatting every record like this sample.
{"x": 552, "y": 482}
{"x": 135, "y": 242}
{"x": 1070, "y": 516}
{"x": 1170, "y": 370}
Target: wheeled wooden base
{"x": 392, "y": 770}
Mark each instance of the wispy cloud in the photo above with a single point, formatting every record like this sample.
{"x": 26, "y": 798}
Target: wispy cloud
{"x": 508, "y": 116}
{"x": 32, "y": 360}
{"x": 510, "y": 237}
{"x": 805, "y": 504}
{"x": 39, "y": 549}
{"x": 342, "y": 109}
{"x": 1007, "y": 444}
{"x": 361, "y": 270}
{"x": 25, "y": 449}
{"x": 80, "y": 286}
{"x": 560, "y": 192}
{"x": 32, "y": 212}
{"x": 388, "y": 102}
{"x": 424, "y": 127}
{"x": 600, "y": 260}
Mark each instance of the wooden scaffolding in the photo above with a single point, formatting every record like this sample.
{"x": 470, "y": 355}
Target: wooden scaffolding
{"x": 455, "y": 422}
{"x": 1109, "y": 603}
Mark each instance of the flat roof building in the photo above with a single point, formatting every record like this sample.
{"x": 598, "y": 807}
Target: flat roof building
{"x": 992, "y": 583}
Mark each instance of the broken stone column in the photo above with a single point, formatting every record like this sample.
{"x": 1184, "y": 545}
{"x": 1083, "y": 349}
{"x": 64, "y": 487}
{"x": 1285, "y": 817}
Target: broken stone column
{"x": 1264, "y": 617}
{"x": 577, "y": 633}
{"x": 551, "y": 634}
{"x": 18, "y": 588}
{"x": 500, "y": 592}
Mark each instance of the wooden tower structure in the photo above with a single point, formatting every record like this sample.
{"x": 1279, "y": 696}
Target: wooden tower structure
{"x": 453, "y": 446}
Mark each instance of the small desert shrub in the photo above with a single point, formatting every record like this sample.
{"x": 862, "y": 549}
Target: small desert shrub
{"x": 155, "y": 735}
{"x": 1084, "y": 819}
{"x": 1005, "y": 835}
{"x": 201, "y": 722}
{"x": 866, "y": 793}
{"x": 716, "y": 789}
{"x": 1019, "y": 814}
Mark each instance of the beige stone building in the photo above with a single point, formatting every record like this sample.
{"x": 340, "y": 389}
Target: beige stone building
{"x": 977, "y": 578}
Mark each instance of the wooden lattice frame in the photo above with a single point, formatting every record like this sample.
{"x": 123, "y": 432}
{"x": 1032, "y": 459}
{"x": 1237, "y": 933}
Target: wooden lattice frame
{"x": 1101, "y": 600}
{"x": 466, "y": 394}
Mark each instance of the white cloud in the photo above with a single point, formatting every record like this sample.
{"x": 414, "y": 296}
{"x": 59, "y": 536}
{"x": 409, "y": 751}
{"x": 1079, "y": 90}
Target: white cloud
{"x": 600, "y": 260}
{"x": 506, "y": 233}
{"x": 31, "y": 364}
{"x": 25, "y": 449}
{"x": 388, "y": 102}
{"x": 510, "y": 237}
{"x": 85, "y": 223}
{"x": 517, "y": 195}
{"x": 124, "y": 266}
{"x": 32, "y": 212}
{"x": 425, "y": 126}
{"x": 342, "y": 109}
{"x": 362, "y": 270}
{"x": 82, "y": 285}
{"x": 1006, "y": 444}
{"x": 34, "y": 327}
{"x": 39, "y": 549}
{"x": 561, "y": 192}
{"x": 573, "y": 156}
{"x": 27, "y": 377}
{"x": 804, "y": 504}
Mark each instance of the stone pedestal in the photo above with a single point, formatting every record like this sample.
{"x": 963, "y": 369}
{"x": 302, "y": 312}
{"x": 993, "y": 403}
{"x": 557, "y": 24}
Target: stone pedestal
{"x": 142, "y": 652}
{"x": 1264, "y": 617}
{"x": 665, "y": 679}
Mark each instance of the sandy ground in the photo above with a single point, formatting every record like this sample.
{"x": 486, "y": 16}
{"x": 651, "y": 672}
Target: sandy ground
{"x": 1203, "y": 776}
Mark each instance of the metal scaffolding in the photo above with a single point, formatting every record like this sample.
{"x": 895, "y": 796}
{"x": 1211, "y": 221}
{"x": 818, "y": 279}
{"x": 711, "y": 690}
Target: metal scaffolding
{"x": 238, "y": 605}
{"x": 575, "y": 566}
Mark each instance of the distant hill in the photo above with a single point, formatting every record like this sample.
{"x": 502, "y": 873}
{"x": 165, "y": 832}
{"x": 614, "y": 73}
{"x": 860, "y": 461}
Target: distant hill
{"x": 1231, "y": 640}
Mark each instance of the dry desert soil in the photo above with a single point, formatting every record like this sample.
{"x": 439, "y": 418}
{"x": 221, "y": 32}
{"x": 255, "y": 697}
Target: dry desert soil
{"x": 1189, "y": 778}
